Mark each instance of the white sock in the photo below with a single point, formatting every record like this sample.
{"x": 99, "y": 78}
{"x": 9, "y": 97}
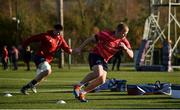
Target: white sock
{"x": 80, "y": 84}
{"x": 83, "y": 92}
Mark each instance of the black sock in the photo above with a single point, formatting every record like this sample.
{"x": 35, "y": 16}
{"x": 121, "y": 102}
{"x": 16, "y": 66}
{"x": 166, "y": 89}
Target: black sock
{"x": 33, "y": 82}
{"x": 30, "y": 84}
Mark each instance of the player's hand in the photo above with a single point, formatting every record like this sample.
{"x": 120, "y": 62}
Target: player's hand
{"x": 6, "y": 59}
{"x": 123, "y": 45}
{"x": 71, "y": 51}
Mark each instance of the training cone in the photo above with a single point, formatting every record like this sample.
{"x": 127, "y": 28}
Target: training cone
{"x": 8, "y": 95}
{"x": 61, "y": 102}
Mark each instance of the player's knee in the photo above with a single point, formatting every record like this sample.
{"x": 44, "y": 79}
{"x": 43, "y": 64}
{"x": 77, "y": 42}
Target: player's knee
{"x": 104, "y": 77}
{"x": 102, "y": 80}
{"x": 100, "y": 74}
{"x": 49, "y": 71}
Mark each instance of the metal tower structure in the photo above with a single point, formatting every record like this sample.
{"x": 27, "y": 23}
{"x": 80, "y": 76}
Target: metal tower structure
{"x": 154, "y": 31}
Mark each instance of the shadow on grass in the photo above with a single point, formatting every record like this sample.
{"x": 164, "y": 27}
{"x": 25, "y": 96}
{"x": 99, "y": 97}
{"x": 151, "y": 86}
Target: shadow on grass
{"x": 115, "y": 96}
{"x": 56, "y": 92}
{"x": 30, "y": 102}
{"x": 131, "y": 98}
{"x": 170, "y": 101}
{"x": 139, "y": 106}
{"x": 55, "y": 86}
{"x": 106, "y": 94}
{"x": 39, "y": 101}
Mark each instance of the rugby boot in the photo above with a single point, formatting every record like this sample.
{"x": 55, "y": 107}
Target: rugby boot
{"x": 33, "y": 88}
{"x": 24, "y": 91}
{"x": 82, "y": 97}
{"x": 76, "y": 91}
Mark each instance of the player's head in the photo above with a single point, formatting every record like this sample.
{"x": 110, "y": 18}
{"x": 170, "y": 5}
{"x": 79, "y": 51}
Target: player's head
{"x": 5, "y": 46}
{"x": 28, "y": 48}
{"x": 121, "y": 30}
{"x": 58, "y": 29}
{"x": 13, "y": 47}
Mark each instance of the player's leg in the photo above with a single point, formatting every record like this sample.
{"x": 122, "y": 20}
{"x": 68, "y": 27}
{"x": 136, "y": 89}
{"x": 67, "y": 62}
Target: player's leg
{"x": 87, "y": 78}
{"x": 94, "y": 61}
{"x": 3, "y": 63}
{"x": 97, "y": 64}
{"x": 15, "y": 64}
{"x": 39, "y": 78}
{"x": 28, "y": 65}
{"x": 114, "y": 63}
{"x": 27, "y": 62}
{"x": 43, "y": 71}
{"x": 6, "y": 63}
{"x": 42, "y": 75}
{"x": 76, "y": 89}
{"x": 118, "y": 63}
{"x": 100, "y": 79}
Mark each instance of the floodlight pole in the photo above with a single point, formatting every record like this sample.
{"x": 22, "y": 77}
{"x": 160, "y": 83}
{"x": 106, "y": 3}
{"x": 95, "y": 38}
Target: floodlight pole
{"x": 17, "y": 21}
{"x": 169, "y": 23}
{"x": 69, "y": 56}
{"x": 61, "y": 21}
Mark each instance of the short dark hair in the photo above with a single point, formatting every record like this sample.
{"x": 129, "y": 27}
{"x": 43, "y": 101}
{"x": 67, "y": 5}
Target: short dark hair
{"x": 58, "y": 27}
{"x": 121, "y": 26}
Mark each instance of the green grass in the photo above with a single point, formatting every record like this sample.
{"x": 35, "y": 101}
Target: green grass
{"x": 58, "y": 86}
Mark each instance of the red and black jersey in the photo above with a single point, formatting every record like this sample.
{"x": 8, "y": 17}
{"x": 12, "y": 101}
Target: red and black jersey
{"x": 49, "y": 44}
{"x": 108, "y": 44}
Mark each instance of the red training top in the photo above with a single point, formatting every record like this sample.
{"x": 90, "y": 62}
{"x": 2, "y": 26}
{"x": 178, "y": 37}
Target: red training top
{"x": 5, "y": 53}
{"x": 49, "y": 44}
{"x": 108, "y": 44}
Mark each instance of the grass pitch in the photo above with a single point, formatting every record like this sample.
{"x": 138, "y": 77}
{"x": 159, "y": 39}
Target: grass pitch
{"x": 59, "y": 85}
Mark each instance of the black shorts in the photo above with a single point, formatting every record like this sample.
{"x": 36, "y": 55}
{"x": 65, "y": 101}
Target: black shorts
{"x": 95, "y": 59}
{"x": 38, "y": 60}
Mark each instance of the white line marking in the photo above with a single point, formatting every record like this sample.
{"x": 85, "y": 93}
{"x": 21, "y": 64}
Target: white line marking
{"x": 41, "y": 91}
{"x": 26, "y": 79}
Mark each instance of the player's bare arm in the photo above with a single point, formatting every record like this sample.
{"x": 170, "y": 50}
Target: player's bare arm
{"x": 129, "y": 51}
{"x": 86, "y": 42}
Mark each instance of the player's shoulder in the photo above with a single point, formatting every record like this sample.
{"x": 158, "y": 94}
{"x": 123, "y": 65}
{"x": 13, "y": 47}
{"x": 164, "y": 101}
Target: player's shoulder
{"x": 39, "y": 35}
{"x": 106, "y": 32}
{"x": 49, "y": 32}
{"x": 125, "y": 39}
